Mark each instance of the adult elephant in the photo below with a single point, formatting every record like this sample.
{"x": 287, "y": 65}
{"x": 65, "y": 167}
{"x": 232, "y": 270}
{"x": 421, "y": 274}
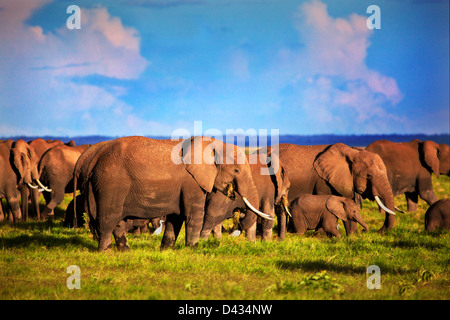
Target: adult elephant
{"x": 272, "y": 190}
{"x": 8, "y": 182}
{"x": 338, "y": 170}
{"x": 56, "y": 172}
{"x": 25, "y": 162}
{"x": 26, "y": 159}
{"x": 410, "y": 166}
{"x": 137, "y": 177}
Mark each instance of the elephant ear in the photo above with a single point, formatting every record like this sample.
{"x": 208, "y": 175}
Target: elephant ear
{"x": 430, "y": 150}
{"x": 333, "y": 165}
{"x": 276, "y": 171}
{"x": 19, "y": 163}
{"x": 199, "y": 158}
{"x": 336, "y": 206}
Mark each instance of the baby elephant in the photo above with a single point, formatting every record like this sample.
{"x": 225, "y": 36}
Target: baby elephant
{"x": 312, "y": 212}
{"x": 438, "y": 215}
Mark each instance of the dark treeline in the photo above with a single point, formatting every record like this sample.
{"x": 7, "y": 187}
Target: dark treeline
{"x": 351, "y": 140}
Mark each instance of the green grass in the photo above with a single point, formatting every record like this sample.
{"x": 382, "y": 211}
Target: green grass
{"x": 414, "y": 264}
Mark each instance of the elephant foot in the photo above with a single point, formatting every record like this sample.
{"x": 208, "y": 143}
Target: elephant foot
{"x": 104, "y": 249}
{"x": 122, "y": 243}
{"x": 167, "y": 243}
{"x": 192, "y": 245}
{"x": 123, "y": 248}
{"x": 384, "y": 229}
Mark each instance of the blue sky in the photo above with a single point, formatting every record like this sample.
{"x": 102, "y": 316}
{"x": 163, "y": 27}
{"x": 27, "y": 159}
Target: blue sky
{"x": 141, "y": 67}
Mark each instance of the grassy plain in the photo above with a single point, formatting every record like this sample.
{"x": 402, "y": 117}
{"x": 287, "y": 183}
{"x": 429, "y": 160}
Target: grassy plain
{"x": 414, "y": 264}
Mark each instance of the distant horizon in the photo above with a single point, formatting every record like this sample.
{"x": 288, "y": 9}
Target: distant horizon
{"x": 313, "y": 139}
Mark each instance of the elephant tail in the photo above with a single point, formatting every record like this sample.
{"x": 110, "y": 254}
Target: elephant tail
{"x": 75, "y": 180}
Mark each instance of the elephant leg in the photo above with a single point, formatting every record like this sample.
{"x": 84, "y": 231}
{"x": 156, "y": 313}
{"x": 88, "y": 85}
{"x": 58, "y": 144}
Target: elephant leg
{"x": 48, "y": 198}
{"x": 2, "y": 215}
{"x": 194, "y": 223}
{"x": 144, "y": 229}
{"x": 351, "y": 227}
{"x": 429, "y": 196}
{"x": 411, "y": 200}
{"x": 425, "y": 189}
{"x": 334, "y": 232}
{"x": 69, "y": 217}
{"x": 35, "y": 203}
{"x": 329, "y": 225}
{"x": 267, "y": 225}
{"x": 24, "y": 195}
{"x": 57, "y": 196}
{"x": 251, "y": 231}
{"x": 388, "y": 223}
{"x": 109, "y": 208}
{"x": 281, "y": 223}
{"x": 217, "y": 231}
{"x": 120, "y": 236}
{"x": 210, "y": 224}
{"x": 172, "y": 229}
{"x": 105, "y": 231}
{"x": 15, "y": 208}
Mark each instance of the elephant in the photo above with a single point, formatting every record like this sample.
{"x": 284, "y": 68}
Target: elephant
{"x": 81, "y": 173}
{"x": 26, "y": 159}
{"x": 56, "y": 172}
{"x": 410, "y": 166}
{"x": 438, "y": 215}
{"x": 312, "y": 212}
{"x": 272, "y": 190}
{"x": 25, "y": 162}
{"x": 135, "y": 226}
{"x": 8, "y": 183}
{"x": 138, "y": 177}
{"x": 339, "y": 170}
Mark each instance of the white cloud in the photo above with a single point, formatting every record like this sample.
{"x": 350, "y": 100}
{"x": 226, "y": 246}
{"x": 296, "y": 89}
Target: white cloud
{"x": 39, "y": 94}
{"x": 330, "y": 78}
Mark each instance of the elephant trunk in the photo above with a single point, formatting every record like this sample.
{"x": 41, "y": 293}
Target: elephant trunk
{"x": 247, "y": 190}
{"x": 385, "y": 200}
{"x": 363, "y": 224}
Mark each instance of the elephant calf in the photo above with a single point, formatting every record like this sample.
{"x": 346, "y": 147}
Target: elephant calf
{"x": 438, "y": 215}
{"x": 312, "y": 212}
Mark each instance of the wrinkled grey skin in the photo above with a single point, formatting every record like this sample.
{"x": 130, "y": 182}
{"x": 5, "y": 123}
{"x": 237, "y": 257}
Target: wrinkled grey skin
{"x": 25, "y": 163}
{"x": 312, "y": 212}
{"x": 437, "y": 216}
{"x": 410, "y": 166}
{"x": 8, "y": 183}
{"x": 56, "y": 172}
{"x": 337, "y": 170}
{"x": 136, "y": 177}
{"x": 271, "y": 189}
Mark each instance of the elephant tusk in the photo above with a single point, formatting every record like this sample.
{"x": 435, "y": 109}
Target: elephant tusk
{"x": 285, "y": 204}
{"x": 287, "y": 211}
{"x": 42, "y": 186}
{"x": 382, "y": 206}
{"x": 398, "y": 210}
{"x": 31, "y": 186}
{"x": 264, "y": 215}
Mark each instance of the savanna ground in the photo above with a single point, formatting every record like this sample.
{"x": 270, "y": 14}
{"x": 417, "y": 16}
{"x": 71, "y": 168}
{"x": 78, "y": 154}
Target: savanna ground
{"x": 414, "y": 264}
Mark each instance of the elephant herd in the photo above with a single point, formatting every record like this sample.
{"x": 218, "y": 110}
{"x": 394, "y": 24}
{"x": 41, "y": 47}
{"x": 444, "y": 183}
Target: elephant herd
{"x": 200, "y": 181}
